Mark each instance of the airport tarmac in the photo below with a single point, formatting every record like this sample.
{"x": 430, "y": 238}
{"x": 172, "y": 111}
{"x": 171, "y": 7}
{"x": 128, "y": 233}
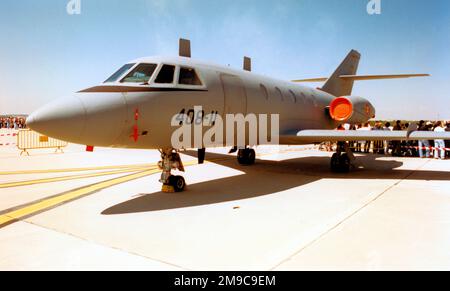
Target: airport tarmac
{"x": 104, "y": 211}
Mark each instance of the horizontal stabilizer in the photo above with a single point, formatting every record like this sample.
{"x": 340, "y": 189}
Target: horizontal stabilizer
{"x": 310, "y": 80}
{"x": 381, "y": 77}
{"x": 364, "y": 77}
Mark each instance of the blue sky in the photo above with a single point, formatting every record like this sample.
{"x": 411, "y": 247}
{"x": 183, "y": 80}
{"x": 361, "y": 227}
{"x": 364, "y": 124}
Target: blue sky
{"x": 46, "y": 53}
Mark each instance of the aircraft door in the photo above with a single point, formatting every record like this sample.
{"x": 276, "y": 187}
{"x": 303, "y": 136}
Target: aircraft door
{"x": 234, "y": 95}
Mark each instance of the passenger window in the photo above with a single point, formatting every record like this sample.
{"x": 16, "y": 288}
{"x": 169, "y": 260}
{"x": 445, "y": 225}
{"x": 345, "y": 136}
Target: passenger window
{"x": 264, "y": 91}
{"x": 304, "y": 98}
{"x": 280, "y": 94}
{"x": 189, "y": 77}
{"x": 165, "y": 76}
{"x": 294, "y": 97}
{"x": 313, "y": 98}
{"x": 141, "y": 74}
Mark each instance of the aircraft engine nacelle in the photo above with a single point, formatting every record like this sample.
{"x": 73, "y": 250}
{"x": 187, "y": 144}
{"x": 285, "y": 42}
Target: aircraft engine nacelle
{"x": 351, "y": 109}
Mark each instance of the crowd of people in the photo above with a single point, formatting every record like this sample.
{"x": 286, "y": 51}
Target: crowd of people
{"x": 12, "y": 122}
{"x": 422, "y": 148}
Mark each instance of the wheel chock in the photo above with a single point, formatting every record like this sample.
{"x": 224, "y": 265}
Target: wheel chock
{"x": 168, "y": 189}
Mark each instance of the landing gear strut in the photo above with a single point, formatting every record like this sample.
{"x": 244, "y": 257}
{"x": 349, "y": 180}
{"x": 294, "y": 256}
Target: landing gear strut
{"x": 170, "y": 160}
{"x": 341, "y": 161}
{"x": 246, "y": 156}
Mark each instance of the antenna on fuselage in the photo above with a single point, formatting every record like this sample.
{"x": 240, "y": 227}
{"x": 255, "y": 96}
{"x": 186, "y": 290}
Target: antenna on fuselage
{"x": 247, "y": 64}
{"x": 185, "y": 48}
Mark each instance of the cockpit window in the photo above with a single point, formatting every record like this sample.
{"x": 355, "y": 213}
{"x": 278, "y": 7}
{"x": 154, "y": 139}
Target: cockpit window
{"x": 189, "y": 77}
{"x": 165, "y": 75}
{"x": 141, "y": 74}
{"x": 119, "y": 73}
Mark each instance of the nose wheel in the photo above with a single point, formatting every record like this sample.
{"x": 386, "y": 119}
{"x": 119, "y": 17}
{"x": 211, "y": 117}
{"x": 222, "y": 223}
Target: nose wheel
{"x": 246, "y": 156}
{"x": 171, "y": 160}
{"x": 178, "y": 183}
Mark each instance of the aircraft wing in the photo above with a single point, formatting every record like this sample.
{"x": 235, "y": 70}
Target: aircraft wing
{"x": 314, "y": 136}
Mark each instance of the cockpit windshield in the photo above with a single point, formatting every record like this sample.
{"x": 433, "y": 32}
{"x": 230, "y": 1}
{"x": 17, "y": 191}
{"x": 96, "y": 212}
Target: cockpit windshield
{"x": 141, "y": 74}
{"x": 119, "y": 73}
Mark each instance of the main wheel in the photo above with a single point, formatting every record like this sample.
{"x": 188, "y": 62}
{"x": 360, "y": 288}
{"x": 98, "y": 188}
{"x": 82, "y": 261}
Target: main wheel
{"x": 246, "y": 156}
{"x": 344, "y": 163}
{"x": 251, "y": 156}
{"x": 178, "y": 183}
{"x": 335, "y": 163}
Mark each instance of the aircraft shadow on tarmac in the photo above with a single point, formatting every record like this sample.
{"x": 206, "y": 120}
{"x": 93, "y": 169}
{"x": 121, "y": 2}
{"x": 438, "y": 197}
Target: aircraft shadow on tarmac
{"x": 266, "y": 178}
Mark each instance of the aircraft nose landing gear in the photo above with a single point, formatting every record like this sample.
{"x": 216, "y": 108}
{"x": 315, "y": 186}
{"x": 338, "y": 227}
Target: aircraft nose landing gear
{"x": 170, "y": 160}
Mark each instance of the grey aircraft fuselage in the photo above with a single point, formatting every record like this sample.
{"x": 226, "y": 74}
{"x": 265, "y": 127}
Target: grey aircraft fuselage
{"x": 107, "y": 115}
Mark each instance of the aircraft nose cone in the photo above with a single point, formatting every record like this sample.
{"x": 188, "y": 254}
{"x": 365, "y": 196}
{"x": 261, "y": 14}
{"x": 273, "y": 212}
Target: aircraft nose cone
{"x": 62, "y": 119}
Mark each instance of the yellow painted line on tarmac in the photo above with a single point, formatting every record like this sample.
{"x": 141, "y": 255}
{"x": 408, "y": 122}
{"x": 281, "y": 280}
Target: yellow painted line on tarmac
{"x": 124, "y": 169}
{"x": 47, "y": 204}
{"x": 71, "y": 177}
{"x": 74, "y": 169}
{"x": 48, "y": 171}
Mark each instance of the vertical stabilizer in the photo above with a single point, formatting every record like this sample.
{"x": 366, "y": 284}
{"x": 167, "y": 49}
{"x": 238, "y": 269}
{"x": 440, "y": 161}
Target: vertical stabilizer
{"x": 343, "y": 87}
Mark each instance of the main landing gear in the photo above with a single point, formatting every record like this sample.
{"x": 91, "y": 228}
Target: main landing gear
{"x": 246, "y": 156}
{"x": 170, "y": 160}
{"x": 341, "y": 161}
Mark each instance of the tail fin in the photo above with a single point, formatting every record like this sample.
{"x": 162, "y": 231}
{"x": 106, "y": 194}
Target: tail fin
{"x": 342, "y": 80}
{"x": 338, "y": 86}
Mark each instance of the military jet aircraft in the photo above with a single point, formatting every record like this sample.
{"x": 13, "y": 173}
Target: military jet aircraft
{"x": 135, "y": 106}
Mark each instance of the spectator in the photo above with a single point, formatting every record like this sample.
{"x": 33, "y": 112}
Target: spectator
{"x": 409, "y": 146}
{"x": 365, "y": 145}
{"x": 430, "y": 126}
{"x": 378, "y": 146}
{"x": 439, "y": 144}
{"x": 358, "y": 143}
{"x": 423, "y": 144}
{"x": 341, "y": 144}
{"x": 387, "y": 127}
{"x": 12, "y": 122}
{"x": 447, "y": 142}
{"x": 353, "y": 144}
{"x": 396, "y": 145}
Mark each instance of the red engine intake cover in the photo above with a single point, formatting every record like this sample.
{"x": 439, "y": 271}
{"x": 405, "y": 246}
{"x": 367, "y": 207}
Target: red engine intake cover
{"x": 341, "y": 109}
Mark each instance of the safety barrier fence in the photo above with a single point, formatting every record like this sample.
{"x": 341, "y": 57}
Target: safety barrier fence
{"x": 413, "y": 148}
{"x": 31, "y": 140}
{"x": 425, "y": 148}
{"x": 8, "y": 137}
{"x": 8, "y": 134}
{"x": 324, "y": 145}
